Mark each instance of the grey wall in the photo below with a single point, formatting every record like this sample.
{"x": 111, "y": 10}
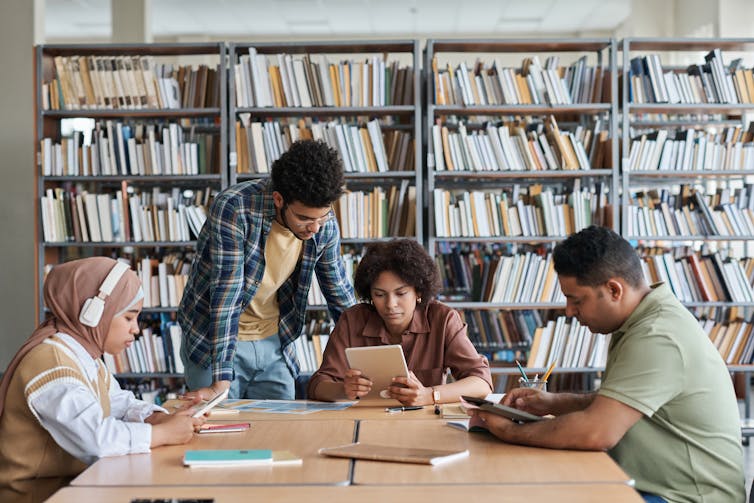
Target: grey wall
{"x": 17, "y": 194}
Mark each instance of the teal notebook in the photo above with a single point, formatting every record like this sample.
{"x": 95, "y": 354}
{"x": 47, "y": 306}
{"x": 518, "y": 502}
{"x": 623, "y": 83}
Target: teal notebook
{"x": 232, "y": 457}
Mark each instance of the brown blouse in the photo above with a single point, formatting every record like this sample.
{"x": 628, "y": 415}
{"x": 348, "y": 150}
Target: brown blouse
{"x": 435, "y": 340}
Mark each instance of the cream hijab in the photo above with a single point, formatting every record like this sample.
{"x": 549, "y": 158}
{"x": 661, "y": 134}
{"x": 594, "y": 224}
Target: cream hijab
{"x": 65, "y": 290}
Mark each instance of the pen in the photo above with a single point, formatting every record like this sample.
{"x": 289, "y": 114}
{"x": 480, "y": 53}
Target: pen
{"x": 521, "y": 369}
{"x": 220, "y": 426}
{"x": 404, "y": 408}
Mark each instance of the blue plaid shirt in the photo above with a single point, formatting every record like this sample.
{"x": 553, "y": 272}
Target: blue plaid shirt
{"x": 228, "y": 269}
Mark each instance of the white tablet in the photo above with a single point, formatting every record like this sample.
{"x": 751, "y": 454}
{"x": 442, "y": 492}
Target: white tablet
{"x": 202, "y": 408}
{"x": 379, "y": 364}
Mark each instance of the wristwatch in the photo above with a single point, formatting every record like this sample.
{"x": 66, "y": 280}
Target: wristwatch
{"x": 435, "y": 395}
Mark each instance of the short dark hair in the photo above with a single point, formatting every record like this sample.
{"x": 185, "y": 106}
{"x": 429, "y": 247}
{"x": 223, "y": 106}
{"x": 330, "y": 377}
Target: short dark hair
{"x": 404, "y": 257}
{"x": 309, "y": 172}
{"x": 596, "y": 254}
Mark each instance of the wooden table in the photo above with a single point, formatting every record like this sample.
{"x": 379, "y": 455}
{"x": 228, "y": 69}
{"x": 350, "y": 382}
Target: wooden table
{"x": 164, "y": 465}
{"x": 562, "y": 493}
{"x": 490, "y": 461}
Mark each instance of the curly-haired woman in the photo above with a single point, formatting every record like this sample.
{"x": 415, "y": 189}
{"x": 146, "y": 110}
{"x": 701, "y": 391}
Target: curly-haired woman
{"x": 397, "y": 282}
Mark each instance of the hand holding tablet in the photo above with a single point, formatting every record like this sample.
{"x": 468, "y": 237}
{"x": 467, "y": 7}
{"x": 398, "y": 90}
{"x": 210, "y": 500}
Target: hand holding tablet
{"x": 379, "y": 364}
{"x": 500, "y": 410}
{"x": 203, "y": 408}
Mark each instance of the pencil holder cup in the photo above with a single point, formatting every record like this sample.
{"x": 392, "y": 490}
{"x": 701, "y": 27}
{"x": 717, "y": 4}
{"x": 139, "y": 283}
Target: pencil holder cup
{"x": 531, "y": 383}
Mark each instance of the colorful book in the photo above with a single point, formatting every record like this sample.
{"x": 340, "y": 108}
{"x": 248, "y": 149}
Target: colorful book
{"x": 230, "y": 457}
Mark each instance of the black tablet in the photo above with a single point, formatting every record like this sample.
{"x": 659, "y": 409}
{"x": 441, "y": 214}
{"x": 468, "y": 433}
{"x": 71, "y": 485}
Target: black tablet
{"x": 502, "y": 410}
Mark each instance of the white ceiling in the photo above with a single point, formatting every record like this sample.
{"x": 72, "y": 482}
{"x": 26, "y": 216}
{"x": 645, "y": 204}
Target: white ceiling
{"x": 228, "y": 19}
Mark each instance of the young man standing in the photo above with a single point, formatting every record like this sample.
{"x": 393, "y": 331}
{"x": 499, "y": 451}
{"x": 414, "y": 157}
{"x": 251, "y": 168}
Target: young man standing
{"x": 666, "y": 410}
{"x": 245, "y": 299}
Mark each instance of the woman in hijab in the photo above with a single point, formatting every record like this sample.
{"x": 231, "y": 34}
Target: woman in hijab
{"x": 60, "y": 409}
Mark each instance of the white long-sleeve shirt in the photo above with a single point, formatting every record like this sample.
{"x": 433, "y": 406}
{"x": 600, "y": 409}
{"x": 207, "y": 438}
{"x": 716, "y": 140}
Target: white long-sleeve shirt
{"x": 72, "y": 412}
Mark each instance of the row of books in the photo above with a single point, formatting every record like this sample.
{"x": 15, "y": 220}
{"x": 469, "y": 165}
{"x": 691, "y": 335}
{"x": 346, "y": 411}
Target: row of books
{"x": 163, "y": 278}
{"x": 155, "y": 350}
{"x": 529, "y": 212}
{"x": 485, "y": 274}
{"x": 493, "y": 330}
{"x": 119, "y": 217}
{"x": 128, "y": 82}
{"x": 135, "y": 148}
{"x": 377, "y": 213}
{"x": 566, "y": 343}
{"x": 531, "y": 84}
{"x": 691, "y": 149}
{"x": 521, "y": 278}
{"x": 363, "y": 148}
{"x": 702, "y": 278}
{"x": 163, "y": 281}
{"x": 742, "y": 197}
{"x": 489, "y": 273}
{"x": 309, "y": 348}
{"x": 351, "y": 258}
{"x": 733, "y": 339}
{"x": 688, "y": 216}
{"x": 708, "y": 82}
{"x": 282, "y": 80}
{"x": 513, "y": 148}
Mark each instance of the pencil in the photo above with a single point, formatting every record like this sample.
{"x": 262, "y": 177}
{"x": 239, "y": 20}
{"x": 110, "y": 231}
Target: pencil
{"x": 521, "y": 369}
{"x": 549, "y": 371}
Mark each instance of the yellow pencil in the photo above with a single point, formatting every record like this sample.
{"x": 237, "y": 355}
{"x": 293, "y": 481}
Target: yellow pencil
{"x": 547, "y": 374}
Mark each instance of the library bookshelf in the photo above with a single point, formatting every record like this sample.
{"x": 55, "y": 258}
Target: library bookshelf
{"x": 361, "y": 98}
{"x": 131, "y": 146}
{"x": 490, "y": 122}
{"x": 517, "y": 153}
{"x": 686, "y": 172}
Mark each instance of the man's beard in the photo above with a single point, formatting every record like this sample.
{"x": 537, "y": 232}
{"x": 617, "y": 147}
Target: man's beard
{"x": 287, "y": 226}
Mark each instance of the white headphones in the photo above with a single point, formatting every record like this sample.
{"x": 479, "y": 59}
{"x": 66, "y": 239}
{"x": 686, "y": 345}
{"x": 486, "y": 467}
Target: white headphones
{"x": 91, "y": 312}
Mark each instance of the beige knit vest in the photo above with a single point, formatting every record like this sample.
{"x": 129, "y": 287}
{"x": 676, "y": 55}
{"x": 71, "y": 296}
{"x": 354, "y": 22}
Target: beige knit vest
{"x": 27, "y": 450}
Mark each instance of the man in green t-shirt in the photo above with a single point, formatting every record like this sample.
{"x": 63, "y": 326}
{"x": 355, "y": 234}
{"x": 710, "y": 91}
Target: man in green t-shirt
{"x": 666, "y": 410}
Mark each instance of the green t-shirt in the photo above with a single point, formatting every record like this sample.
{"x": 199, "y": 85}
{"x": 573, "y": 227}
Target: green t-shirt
{"x": 687, "y": 447}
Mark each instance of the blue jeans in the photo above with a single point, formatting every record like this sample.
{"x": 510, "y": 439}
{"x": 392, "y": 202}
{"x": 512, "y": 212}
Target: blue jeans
{"x": 259, "y": 368}
{"x": 652, "y": 498}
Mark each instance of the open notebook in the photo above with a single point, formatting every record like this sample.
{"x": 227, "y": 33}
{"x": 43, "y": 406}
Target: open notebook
{"x": 392, "y": 453}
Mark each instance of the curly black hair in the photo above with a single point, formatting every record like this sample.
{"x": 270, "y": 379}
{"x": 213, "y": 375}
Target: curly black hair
{"x": 596, "y": 254}
{"x": 404, "y": 257}
{"x": 309, "y": 172}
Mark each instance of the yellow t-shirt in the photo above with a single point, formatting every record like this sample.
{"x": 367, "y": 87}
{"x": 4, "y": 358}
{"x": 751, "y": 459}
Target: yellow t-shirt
{"x": 261, "y": 317}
